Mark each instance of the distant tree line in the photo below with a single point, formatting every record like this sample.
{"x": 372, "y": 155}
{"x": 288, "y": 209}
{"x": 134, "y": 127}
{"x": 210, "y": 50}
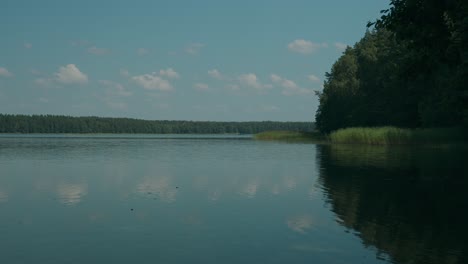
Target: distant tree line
{"x": 68, "y": 124}
{"x": 409, "y": 70}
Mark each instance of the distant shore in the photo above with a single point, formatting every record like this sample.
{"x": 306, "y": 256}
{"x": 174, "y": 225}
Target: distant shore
{"x": 51, "y": 124}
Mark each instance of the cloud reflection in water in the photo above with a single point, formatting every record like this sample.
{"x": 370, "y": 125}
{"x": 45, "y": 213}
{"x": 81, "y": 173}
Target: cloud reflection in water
{"x": 301, "y": 223}
{"x": 71, "y": 194}
{"x": 3, "y": 196}
{"x": 250, "y": 190}
{"x": 161, "y": 186}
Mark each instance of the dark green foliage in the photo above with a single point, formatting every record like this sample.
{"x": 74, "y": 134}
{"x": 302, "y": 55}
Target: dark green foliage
{"x": 68, "y": 124}
{"x": 410, "y": 71}
{"x": 364, "y": 88}
{"x": 338, "y": 98}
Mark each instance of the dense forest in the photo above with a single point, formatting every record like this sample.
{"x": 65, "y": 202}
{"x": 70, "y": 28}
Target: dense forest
{"x": 68, "y": 124}
{"x": 409, "y": 70}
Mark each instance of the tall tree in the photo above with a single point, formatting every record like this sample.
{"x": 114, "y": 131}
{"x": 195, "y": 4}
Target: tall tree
{"x": 436, "y": 33}
{"x": 337, "y": 101}
{"x": 411, "y": 70}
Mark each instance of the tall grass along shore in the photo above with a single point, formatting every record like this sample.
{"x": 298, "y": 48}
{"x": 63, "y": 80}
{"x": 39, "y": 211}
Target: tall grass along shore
{"x": 373, "y": 136}
{"x": 397, "y": 136}
{"x": 290, "y": 136}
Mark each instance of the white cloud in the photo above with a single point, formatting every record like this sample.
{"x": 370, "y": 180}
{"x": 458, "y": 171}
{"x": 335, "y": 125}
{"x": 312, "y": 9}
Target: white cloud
{"x": 201, "y": 87}
{"x": 114, "y": 88}
{"x": 289, "y": 87}
{"x": 296, "y": 91}
{"x": 194, "y": 48}
{"x": 305, "y": 46}
{"x": 275, "y": 78}
{"x": 233, "y": 87}
{"x": 124, "y": 72}
{"x": 113, "y": 95}
{"x": 252, "y": 81}
{"x": 288, "y": 84}
{"x": 27, "y": 45}
{"x": 313, "y": 78}
{"x": 4, "y": 72}
{"x": 142, "y": 51}
{"x": 169, "y": 73}
{"x": 152, "y": 82}
{"x": 43, "y": 81}
{"x": 340, "y": 46}
{"x": 43, "y": 100}
{"x": 70, "y": 74}
{"x": 97, "y": 51}
{"x": 214, "y": 73}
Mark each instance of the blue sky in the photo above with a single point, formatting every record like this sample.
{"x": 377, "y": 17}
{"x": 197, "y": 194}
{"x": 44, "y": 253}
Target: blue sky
{"x": 179, "y": 60}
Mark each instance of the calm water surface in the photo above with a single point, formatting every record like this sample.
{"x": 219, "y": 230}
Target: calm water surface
{"x": 215, "y": 199}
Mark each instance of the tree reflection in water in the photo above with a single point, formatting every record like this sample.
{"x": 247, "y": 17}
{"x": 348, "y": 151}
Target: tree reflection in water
{"x": 409, "y": 202}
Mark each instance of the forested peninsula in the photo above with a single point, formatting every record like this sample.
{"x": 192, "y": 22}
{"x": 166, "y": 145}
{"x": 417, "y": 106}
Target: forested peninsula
{"x": 410, "y": 70}
{"x": 69, "y": 124}
{"x": 404, "y": 82}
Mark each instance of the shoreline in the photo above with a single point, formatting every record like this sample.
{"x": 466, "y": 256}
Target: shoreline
{"x": 383, "y": 136}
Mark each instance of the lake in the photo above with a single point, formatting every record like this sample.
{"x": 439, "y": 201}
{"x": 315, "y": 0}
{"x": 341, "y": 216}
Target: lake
{"x": 228, "y": 199}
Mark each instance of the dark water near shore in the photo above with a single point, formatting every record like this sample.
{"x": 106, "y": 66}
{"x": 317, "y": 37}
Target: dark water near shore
{"x": 216, "y": 199}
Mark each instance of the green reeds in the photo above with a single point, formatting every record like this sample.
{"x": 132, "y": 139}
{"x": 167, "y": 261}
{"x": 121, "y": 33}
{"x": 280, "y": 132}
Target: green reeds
{"x": 374, "y": 136}
{"x": 290, "y": 136}
{"x": 397, "y": 136}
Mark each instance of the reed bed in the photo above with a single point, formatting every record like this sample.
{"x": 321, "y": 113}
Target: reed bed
{"x": 290, "y": 136}
{"x": 397, "y": 136}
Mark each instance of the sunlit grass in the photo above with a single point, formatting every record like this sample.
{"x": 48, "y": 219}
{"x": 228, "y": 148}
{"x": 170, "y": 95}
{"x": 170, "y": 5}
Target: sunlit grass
{"x": 290, "y": 136}
{"x": 397, "y": 136}
{"x": 373, "y": 136}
